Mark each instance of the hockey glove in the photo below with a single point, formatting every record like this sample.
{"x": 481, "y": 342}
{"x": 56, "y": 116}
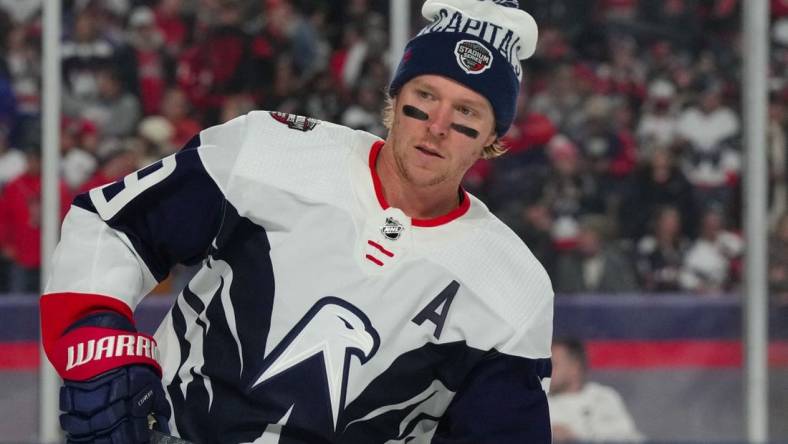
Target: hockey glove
{"x": 112, "y": 384}
{"x": 114, "y": 407}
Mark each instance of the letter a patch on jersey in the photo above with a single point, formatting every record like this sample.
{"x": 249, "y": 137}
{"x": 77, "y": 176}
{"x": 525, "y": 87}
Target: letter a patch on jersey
{"x": 438, "y": 309}
{"x": 295, "y": 122}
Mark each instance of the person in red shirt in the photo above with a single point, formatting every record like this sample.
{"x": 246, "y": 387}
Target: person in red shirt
{"x": 20, "y": 224}
{"x": 116, "y": 160}
{"x": 175, "y": 108}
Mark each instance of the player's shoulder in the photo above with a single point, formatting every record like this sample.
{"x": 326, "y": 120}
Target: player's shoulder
{"x": 506, "y": 247}
{"x": 499, "y": 266}
{"x": 286, "y": 129}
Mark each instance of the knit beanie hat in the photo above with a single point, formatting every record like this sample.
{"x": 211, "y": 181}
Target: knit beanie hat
{"x": 478, "y": 43}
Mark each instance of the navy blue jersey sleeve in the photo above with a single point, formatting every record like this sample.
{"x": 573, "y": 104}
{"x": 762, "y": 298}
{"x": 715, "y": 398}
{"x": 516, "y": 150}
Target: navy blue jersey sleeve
{"x": 502, "y": 402}
{"x": 170, "y": 210}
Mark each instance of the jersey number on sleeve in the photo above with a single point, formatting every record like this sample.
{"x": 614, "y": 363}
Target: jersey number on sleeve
{"x": 133, "y": 186}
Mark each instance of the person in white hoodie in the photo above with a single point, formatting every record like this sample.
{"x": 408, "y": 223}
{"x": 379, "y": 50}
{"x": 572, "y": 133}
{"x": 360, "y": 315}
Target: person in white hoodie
{"x": 581, "y": 410}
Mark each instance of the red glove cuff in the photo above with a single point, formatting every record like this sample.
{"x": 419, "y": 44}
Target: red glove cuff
{"x": 89, "y": 351}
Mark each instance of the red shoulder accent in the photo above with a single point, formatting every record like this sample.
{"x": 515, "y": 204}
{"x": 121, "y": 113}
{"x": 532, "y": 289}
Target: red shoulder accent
{"x": 60, "y": 310}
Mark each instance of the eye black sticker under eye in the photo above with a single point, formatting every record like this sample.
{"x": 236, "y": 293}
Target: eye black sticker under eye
{"x": 415, "y": 113}
{"x": 462, "y": 129}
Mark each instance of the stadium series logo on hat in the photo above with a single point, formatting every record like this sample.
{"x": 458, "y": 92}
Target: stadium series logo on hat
{"x": 473, "y": 57}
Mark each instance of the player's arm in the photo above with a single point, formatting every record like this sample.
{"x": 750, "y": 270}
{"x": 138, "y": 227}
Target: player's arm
{"x": 503, "y": 399}
{"x": 117, "y": 242}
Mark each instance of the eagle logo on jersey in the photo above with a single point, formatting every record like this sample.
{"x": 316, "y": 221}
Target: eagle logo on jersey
{"x": 392, "y": 229}
{"x": 295, "y": 122}
{"x": 333, "y": 330}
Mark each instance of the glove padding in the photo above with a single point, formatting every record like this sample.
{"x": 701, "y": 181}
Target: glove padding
{"x": 114, "y": 407}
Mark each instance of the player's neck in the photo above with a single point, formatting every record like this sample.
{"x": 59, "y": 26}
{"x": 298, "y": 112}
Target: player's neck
{"x": 418, "y": 202}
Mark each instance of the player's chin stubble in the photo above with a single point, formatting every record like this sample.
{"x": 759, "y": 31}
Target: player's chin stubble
{"x": 403, "y": 170}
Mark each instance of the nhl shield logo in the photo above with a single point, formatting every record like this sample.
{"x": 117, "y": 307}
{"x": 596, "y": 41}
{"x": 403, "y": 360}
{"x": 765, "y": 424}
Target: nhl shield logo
{"x": 392, "y": 229}
{"x": 295, "y": 122}
{"x": 472, "y": 56}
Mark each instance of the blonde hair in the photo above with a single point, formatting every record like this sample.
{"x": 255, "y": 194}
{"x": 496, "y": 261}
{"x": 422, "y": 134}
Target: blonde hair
{"x": 491, "y": 151}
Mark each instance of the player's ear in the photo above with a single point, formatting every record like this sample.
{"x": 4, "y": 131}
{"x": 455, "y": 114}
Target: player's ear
{"x": 491, "y": 139}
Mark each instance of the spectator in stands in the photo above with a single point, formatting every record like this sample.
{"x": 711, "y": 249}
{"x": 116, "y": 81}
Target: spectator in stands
{"x": 710, "y": 161}
{"x": 23, "y": 58}
{"x": 657, "y": 125}
{"x": 364, "y": 114}
{"x": 569, "y": 191}
{"x": 660, "y": 254}
{"x": 529, "y": 135}
{"x": 533, "y": 223}
{"x": 145, "y": 50}
{"x": 220, "y": 61}
{"x": 712, "y": 264}
{"x": 323, "y": 99}
{"x": 117, "y": 158}
{"x": 596, "y": 264}
{"x": 20, "y": 224}
{"x": 658, "y": 182}
{"x": 175, "y": 108}
{"x": 84, "y": 54}
{"x": 582, "y": 410}
{"x": 562, "y": 101}
{"x": 78, "y": 144}
{"x": 155, "y": 139}
{"x": 778, "y": 261}
{"x": 526, "y": 165}
{"x": 8, "y": 106}
{"x": 235, "y": 105}
{"x": 608, "y": 148}
{"x": 115, "y": 111}
{"x": 12, "y": 161}
{"x": 778, "y": 155}
{"x": 173, "y": 27}
{"x": 347, "y": 60}
{"x": 283, "y": 92}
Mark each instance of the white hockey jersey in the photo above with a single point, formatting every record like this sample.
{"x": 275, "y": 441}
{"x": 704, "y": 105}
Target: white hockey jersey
{"x": 320, "y": 314}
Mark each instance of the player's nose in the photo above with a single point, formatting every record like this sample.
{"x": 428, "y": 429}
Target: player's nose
{"x": 440, "y": 121}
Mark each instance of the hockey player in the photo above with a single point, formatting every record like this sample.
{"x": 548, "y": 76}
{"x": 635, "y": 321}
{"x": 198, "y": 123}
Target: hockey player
{"x": 350, "y": 291}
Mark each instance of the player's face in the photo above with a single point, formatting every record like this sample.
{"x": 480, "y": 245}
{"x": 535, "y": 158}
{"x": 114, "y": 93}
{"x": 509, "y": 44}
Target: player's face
{"x": 440, "y": 129}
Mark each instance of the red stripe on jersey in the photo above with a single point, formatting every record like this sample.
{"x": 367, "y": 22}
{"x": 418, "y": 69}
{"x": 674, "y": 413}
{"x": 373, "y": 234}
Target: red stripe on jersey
{"x": 373, "y": 158}
{"x": 463, "y": 208}
{"x": 375, "y": 260}
{"x": 465, "y": 205}
{"x": 380, "y": 247}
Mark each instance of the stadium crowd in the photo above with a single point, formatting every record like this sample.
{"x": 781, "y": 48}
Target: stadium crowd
{"x": 623, "y": 173}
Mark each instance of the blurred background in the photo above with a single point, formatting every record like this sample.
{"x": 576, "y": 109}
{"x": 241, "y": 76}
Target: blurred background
{"x": 623, "y": 175}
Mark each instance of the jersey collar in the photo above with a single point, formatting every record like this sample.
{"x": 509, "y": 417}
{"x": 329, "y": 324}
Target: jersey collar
{"x": 465, "y": 204}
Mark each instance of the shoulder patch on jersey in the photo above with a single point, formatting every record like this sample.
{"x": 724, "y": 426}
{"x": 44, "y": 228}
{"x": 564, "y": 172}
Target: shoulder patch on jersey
{"x": 295, "y": 122}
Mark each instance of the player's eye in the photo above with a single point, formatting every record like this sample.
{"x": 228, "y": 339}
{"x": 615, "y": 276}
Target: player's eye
{"x": 465, "y": 111}
{"x": 424, "y": 94}
{"x": 347, "y": 324}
